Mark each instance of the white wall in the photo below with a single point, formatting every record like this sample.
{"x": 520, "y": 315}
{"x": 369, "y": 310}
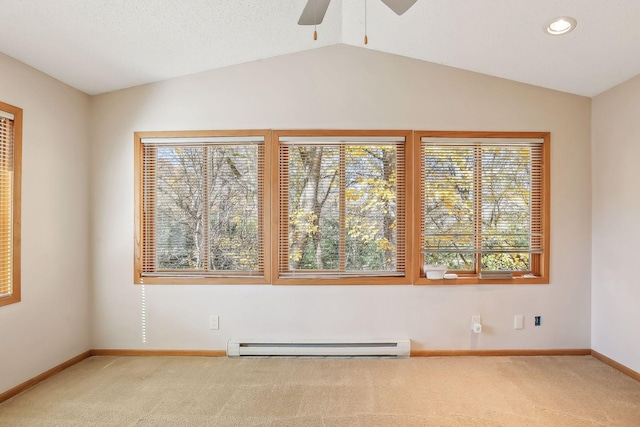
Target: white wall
{"x": 350, "y": 88}
{"x": 52, "y": 322}
{"x": 616, "y": 226}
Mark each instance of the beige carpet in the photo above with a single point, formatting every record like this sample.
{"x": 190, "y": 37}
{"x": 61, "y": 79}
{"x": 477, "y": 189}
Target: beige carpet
{"x": 453, "y": 391}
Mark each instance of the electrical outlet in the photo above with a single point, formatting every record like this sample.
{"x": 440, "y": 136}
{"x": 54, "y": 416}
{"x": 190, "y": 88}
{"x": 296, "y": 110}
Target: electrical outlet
{"x": 537, "y": 320}
{"x": 214, "y": 321}
{"x": 476, "y": 324}
{"x": 518, "y": 321}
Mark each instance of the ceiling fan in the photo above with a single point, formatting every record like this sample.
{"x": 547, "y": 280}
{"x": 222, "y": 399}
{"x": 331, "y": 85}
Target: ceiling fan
{"x": 314, "y": 11}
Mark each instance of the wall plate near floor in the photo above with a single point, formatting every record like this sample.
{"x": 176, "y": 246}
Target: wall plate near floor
{"x": 476, "y": 324}
{"x": 214, "y": 322}
{"x": 518, "y": 321}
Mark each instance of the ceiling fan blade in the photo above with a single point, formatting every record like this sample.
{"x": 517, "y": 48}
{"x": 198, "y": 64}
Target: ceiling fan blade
{"x": 399, "y": 6}
{"x": 313, "y": 12}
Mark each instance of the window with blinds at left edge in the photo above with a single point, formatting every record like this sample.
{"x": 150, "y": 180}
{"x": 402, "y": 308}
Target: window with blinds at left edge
{"x": 200, "y": 207}
{"x": 10, "y": 190}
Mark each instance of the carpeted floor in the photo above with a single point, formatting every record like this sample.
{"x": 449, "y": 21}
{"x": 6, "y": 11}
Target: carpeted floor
{"x": 451, "y": 391}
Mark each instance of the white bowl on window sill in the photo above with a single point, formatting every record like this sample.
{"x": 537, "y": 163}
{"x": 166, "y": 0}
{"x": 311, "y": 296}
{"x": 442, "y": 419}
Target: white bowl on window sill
{"x": 434, "y": 272}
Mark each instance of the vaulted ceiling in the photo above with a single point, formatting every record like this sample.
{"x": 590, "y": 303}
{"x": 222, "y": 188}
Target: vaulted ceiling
{"x": 98, "y": 46}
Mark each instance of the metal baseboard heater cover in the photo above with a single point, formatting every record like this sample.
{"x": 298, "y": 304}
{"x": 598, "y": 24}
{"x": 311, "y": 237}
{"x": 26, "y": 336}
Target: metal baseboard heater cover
{"x": 369, "y": 348}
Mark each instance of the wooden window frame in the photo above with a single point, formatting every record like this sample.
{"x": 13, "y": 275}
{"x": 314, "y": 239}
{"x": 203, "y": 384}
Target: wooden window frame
{"x": 264, "y": 197}
{"x": 13, "y": 262}
{"x": 277, "y": 210}
{"x": 272, "y": 209}
{"x": 540, "y": 262}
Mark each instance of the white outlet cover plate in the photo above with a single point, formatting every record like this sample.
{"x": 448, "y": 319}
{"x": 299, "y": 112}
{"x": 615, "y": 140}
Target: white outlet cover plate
{"x": 214, "y": 322}
{"x": 518, "y": 321}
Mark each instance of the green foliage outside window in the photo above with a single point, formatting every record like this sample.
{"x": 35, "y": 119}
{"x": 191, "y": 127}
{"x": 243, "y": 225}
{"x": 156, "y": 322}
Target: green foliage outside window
{"x": 213, "y": 184}
{"x": 477, "y": 199}
{"x": 342, "y": 194}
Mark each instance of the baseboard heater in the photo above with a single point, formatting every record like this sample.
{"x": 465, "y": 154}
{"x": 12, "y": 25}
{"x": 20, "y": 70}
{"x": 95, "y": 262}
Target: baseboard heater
{"x": 372, "y": 348}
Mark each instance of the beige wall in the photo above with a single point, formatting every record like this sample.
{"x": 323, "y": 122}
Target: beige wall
{"x": 616, "y": 226}
{"x": 334, "y": 87}
{"x": 339, "y": 87}
{"x": 52, "y": 322}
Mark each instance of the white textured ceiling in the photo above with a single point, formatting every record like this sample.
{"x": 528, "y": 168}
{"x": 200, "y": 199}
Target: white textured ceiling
{"x": 103, "y": 45}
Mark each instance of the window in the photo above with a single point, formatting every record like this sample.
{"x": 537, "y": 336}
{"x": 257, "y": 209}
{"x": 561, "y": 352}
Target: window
{"x": 319, "y": 207}
{"x": 341, "y": 207}
{"x": 483, "y": 206}
{"x": 10, "y": 184}
{"x": 200, "y": 200}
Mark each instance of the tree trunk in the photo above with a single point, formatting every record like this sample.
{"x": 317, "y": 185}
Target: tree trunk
{"x": 310, "y": 207}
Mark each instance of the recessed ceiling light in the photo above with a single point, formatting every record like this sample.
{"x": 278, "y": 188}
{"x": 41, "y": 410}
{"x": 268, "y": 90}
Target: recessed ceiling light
{"x": 561, "y": 25}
